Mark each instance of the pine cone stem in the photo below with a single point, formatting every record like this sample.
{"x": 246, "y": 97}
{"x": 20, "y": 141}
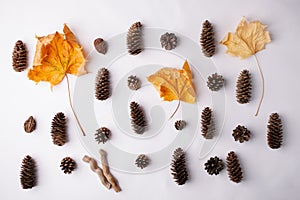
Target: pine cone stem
{"x": 178, "y": 105}
{"x": 263, "y": 85}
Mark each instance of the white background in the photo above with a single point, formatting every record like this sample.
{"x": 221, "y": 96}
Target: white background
{"x": 269, "y": 174}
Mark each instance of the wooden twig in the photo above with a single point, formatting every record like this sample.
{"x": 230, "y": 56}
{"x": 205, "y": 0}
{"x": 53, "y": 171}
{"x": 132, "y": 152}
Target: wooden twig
{"x": 95, "y": 168}
{"x": 106, "y": 171}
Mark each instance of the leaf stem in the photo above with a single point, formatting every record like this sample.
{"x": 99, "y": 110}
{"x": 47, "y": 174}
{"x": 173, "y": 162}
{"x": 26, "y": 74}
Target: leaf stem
{"x": 263, "y": 85}
{"x": 175, "y": 110}
{"x": 71, "y": 105}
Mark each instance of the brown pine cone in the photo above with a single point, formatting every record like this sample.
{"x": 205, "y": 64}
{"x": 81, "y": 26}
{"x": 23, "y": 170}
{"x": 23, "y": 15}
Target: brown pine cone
{"x": 178, "y": 167}
{"x": 207, "y": 39}
{"x": 102, "y": 86}
{"x": 214, "y": 165}
{"x": 168, "y": 41}
{"x": 28, "y": 173}
{"x": 233, "y": 167}
{"x": 133, "y": 82}
{"x": 180, "y": 124}
{"x": 207, "y": 127}
{"x": 274, "y": 131}
{"x": 100, "y": 45}
{"x": 29, "y": 125}
{"x": 241, "y": 134}
{"x": 244, "y": 87}
{"x": 19, "y": 57}
{"x": 215, "y": 82}
{"x": 58, "y": 129}
{"x": 142, "y": 161}
{"x": 138, "y": 120}
{"x": 134, "y": 39}
{"x": 68, "y": 165}
{"x": 102, "y": 135}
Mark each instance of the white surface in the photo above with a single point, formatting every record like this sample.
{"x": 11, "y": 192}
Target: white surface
{"x": 269, "y": 174}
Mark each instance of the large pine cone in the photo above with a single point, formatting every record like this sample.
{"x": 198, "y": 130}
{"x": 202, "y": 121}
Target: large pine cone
{"x": 28, "y": 173}
{"x": 274, "y": 131}
{"x": 58, "y": 129}
{"x": 102, "y": 86}
{"x": 207, "y": 127}
{"x": 102, "y": 135}
{"x": 138, "y": 120}
{"x": 168, "y": 41}
{"x": 233, "y": 167}
{"x": 214, "y": 165}
{"x": 244, "y": 87}
{"x": 134, "y": 39}
{"x": 207, "y": 39}
{"x": 19, "y": 57}
{"x": 178, "y": 167}
{"x": 241, "y": 134}
{"x": 68, "y": 165}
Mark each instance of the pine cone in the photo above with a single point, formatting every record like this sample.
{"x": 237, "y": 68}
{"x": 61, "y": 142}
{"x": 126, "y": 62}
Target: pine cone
{"x": 29, "y": 125}
{"x": 179, "y": 124}
{"x": 215, "y": 82}
{"x": 102, "y": 86}
{"x": 102, "y": 135}
{"x": 19, "y": 57}
{"x": 178, "y": 167}
{"x": 142, "y": 161}
{"x": 233, "y": 167}
{"x": 138, "y": 120}
{"x": 134, "y": 39}
{"x": 207, "y": 123}
{"x": 168, "y": 41}
{"x": 241, "y": 134}
{"x": 207, "y": 39}
{"x": 133, "y": 82}
{"x": 28, "y": 173}
{"x": 58, "y": 129}
{"x": 274, "y": 131}
{"x": 244, "y": 87}
{"x": 214, "y": 165}
{"x": 68, "y": 165}
{"x": 100, "y": 45}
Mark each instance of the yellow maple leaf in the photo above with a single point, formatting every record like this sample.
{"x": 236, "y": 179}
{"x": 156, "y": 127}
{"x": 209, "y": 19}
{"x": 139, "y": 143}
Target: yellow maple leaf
{"x": 174, "y": 84}
{"x": 248, "y": 39}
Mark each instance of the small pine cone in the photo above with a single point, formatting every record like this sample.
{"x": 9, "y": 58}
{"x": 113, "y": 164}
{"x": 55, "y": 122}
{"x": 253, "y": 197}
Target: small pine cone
{"x": 67, "y": 165}
{"x": 207, "y": 39}
{"x": 168, "y": 41}
{"x": 214, "y": 165}
{"x": 215, "y": 82}
{"x": 244, "y": 87}
{"x": 29, "y": 125}
{"x": 100, "y": 45}
{"x": 207, "y": 127}
{"x": 138, "y": 120}
{"x": 19, "y": 57}
{"x": 102, "y": 135}
{"x": 58, "y": 129}
{"x": 180, "y": 124}
{"x": 134, "y": 39}
{"x": 142, "y": 161}
{"x": 241, "y": 134}
{"x": 274, "y": 131}
{"x": 28, "y": 173}
{"x": 102, "y": 86}
{"x": 178, "y": 167}
{"x": 133, "y": 82}
{"x": 233, "y": 167}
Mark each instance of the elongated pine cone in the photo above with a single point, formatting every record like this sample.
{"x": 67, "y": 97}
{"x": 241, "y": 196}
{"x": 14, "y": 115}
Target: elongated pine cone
{"x": 178, "y": 167}
{"x": 214, "y": 165}
{"x": 215, "y": 82}
{"x": 29, "y": 125}
{"x": 233, "y": 167}
{"x": 142, "y": 161}
{"x": 207, "y": 127}
{"x": 102, "y": 86}
{"x": 244, "y": 87}
{"x": 138, "y": 120}
{"x": 207, "y": 39}
{"x": 241, "y": 134}
{"x": 102, "y": 135}
{"x": 19, "y": 57}
{"x": 67, "y": 165}
{"x": 28, "y": 173}
{"x": 274, "y": 131}
{"x": 134, "y": 39}
{"x": 133, "y": 82}
{"x": 179, "y": 124}
{"x": 168, "y": 41}
{"x": 100, "y": 45}
{"x": 58, "y": 129}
